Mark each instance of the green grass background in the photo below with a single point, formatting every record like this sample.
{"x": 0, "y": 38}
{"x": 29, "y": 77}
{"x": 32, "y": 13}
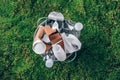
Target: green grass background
{"x": 99, "y": 58}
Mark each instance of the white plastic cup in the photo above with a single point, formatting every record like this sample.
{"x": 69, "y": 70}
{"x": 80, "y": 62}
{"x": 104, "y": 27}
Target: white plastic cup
{"x": 74, "y": 41}
{"x": 56, "y": 16}
{"x": 49, "y": 63}
{"x": 59, "y": 52}
{"x": 39, "y": 47}
{"x": 78, "y": 26}
{"x": 69, "y": 41}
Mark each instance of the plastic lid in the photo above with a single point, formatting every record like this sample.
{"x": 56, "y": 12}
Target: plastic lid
{"x": 78, "y": 26}
{"x": 49, "y": 63}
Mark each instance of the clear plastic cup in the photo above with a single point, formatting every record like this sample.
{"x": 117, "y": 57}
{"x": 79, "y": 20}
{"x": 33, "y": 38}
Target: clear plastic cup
{"x": 78, "y": 26}
{"x": 59, "y": 52}
{"x": 39, "y": 47}
{"x": 56, "y": 16}
{"x": 49, "y": 63}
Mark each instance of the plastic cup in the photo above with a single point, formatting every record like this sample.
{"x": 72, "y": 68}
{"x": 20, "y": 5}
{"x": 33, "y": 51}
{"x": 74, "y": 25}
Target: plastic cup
{"x": 39, "y": 47}
{"x": 59, "y": 52}
{"x": 49, "y": 63}
{"x": 78, "y": 26}
{"x": 56, "y": 16}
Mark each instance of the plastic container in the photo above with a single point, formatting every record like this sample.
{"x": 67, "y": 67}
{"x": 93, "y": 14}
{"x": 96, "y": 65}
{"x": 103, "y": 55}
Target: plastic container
{"x": 39, "y": 47}
{"x": 59, "y": 52}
